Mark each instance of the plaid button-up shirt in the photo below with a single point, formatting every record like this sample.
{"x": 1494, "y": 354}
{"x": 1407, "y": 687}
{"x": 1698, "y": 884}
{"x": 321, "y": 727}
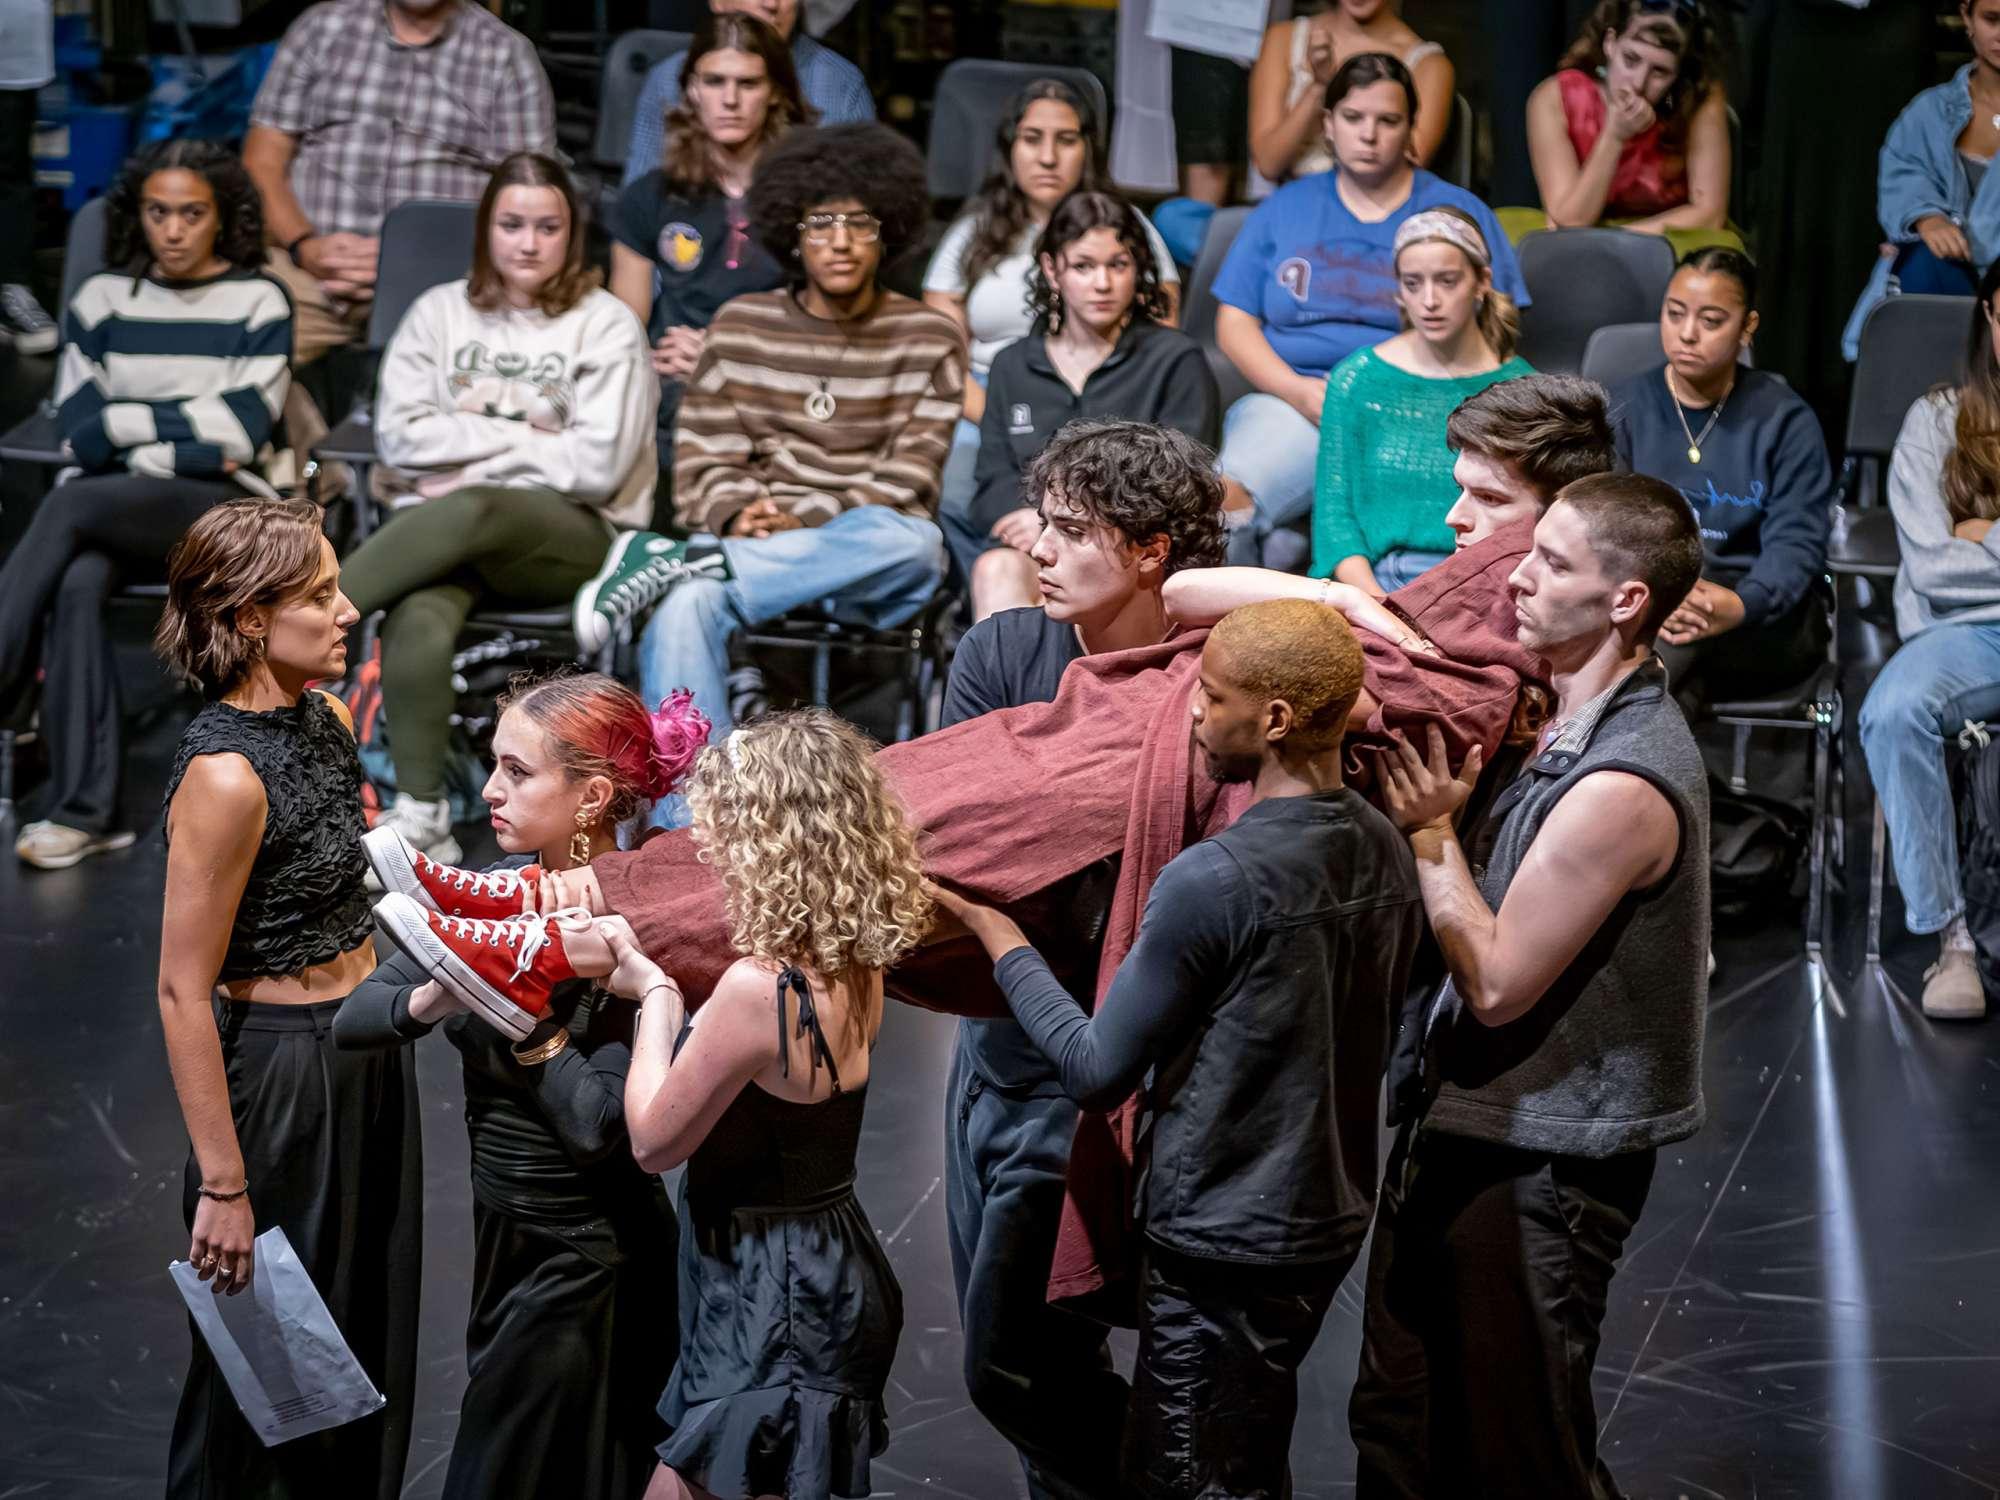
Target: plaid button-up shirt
{"x": 378, "y": 122}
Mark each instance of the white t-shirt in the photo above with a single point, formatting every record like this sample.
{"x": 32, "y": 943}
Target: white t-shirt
{"x": 996, "y": 310}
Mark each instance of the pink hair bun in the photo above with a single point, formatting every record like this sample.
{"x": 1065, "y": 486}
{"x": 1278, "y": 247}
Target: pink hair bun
{"x": 679, "y": 731}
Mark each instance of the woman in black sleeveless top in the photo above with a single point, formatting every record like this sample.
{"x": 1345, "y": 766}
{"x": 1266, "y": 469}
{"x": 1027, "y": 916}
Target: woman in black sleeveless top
{"x": 266, "y": 927}
{"x": 571, "y": 1333}
{"x": 789, "y": 1310}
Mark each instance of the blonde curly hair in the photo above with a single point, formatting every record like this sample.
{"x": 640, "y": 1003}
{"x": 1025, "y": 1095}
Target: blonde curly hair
{"x": 819, "y": 862}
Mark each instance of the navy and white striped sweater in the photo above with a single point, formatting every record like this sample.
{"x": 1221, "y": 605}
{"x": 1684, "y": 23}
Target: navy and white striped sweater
{"x": 174, "y": 377}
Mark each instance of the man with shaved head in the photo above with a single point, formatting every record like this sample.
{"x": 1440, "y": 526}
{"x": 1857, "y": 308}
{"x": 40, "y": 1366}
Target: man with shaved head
{"x": 1254, "y": 1005}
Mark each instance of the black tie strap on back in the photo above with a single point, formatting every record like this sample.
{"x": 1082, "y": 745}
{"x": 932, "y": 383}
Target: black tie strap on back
{"x": 819, "y": 1052}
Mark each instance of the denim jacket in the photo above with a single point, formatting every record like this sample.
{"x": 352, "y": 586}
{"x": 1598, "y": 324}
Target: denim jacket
{"x": 1921, "y": 174}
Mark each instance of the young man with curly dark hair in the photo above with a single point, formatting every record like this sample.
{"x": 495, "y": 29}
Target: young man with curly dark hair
{"x": 812, "y": 432}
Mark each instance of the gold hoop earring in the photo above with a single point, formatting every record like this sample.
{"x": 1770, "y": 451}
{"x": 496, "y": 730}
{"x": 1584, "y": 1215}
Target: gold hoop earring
{"x": 579, "y": 842}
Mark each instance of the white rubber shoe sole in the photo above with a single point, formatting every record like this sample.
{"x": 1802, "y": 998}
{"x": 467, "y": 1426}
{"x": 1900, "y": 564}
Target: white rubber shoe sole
{"x": 407, "y": 925}
{"x": 393, "y": 863}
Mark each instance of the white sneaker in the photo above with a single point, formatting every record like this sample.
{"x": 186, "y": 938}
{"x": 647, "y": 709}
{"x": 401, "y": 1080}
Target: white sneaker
{"x": 24, "y": 320}
{"x": 55, "y": 846}
{"x": 424, "y": 826}
{"x": 1952, "y": 988}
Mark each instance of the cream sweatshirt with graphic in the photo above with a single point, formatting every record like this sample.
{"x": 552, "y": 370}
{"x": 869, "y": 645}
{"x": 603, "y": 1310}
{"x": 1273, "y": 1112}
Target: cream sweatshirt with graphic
{"x": 523, "y": 400}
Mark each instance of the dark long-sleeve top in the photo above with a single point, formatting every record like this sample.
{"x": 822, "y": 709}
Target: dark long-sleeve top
{"x": 1762, "y": 493}
{"x": 548, "y": 1140}
{"x": 172, "y": 378}
{"x": 1154, "y": 374}
{"x": 1258, "y": 995}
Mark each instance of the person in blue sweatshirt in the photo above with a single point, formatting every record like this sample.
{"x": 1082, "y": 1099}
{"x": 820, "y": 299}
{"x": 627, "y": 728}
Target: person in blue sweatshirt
{"x": 1747, "y": 453}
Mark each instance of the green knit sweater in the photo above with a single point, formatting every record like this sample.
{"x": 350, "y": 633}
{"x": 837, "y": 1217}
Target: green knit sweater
{"x": 1384, "y": 482}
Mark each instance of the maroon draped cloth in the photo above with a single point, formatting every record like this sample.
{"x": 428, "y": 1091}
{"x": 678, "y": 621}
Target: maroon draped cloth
{"x": 1012, "y": 802}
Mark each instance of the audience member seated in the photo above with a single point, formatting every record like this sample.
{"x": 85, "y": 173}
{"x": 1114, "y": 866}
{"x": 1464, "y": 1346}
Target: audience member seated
{"x": 1045, "y": 149}
{"x": 168, "y": 390}
{"x": 1939, "y": 213}
{"x": 1309, "y": 280}
{"x": 1099, "y": 350}
{"x": 368, "y": 105}
{"x": 1944, "y": 489}
{"x": 1385, "y": 467}
{"x": 681, "y": 233}
{"x": 1747, "y": 453}
{"x": 1287, "y": 136}
{"x": 812, "y": 432}
{"x": 828, "y": 82}
{"x": 516, "y": 406}
{"x": 1633, "y": 130}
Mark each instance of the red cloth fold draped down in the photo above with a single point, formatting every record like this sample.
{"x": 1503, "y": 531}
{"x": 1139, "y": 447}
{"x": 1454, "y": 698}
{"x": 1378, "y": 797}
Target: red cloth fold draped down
{"x": 1016, "y": 800}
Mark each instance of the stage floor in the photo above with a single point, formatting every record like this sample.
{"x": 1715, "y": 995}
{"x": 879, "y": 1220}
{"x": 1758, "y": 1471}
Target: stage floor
{"x": 1806, "y": 1309}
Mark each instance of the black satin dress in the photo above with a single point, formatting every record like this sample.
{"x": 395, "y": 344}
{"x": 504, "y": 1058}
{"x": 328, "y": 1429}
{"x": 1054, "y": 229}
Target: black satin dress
{"x": 790, "y": 1312}
{"x": 571, "y": 1333}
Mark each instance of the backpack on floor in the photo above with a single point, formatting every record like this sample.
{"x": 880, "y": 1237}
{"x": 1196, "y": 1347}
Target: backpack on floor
{"x": 1754, "y": 844}
{"x": 1976, "y": 796}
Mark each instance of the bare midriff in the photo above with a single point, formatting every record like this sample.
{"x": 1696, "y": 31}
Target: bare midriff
{"x": 332, "y": 980}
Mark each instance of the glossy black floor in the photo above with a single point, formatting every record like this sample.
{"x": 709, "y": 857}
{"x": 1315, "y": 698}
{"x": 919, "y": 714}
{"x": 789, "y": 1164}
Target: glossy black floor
{"x": 1808, "y": 1307}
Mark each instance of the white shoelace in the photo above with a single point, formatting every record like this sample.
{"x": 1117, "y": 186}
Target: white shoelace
{"x": 498, "y": 884}
{"x": 529, "y": 934}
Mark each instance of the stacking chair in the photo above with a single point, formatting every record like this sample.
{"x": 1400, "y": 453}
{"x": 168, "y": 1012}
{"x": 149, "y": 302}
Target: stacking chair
{"x": 632, "y": 57}
{"x": 1619, "y": 351}
{"x": 1199, "y": 307}
{"x": 972, "y": 93}
{"x": 917, "y": 648}
{"x": 1579, "y": 281}
{"x": 1453, "y": 161}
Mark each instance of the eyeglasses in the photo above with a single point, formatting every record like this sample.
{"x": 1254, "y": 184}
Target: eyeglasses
{"x": 818, "y": 229}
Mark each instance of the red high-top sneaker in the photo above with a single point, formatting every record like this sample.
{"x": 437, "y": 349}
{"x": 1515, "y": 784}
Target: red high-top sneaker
{"x": 503, "y": 970}
{"x": 454, "y": 892}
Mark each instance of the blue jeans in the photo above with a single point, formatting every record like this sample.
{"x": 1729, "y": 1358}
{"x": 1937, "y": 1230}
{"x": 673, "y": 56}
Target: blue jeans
{"x": 1394, "y": 569}
{"x": 1919, "y": 271}
{"x": 1183, "y": 225}
{"x": 868, "y": 566}
{"x": 1273, "y": 452}
{"x": 1041, "y": 1375}
{"x": 1937, "y": 681}
{"x": 956, "y": 491}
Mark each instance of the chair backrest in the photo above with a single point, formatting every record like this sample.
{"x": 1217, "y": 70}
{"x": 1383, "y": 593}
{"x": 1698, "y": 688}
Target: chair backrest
{"x": 1198, "y": 303}
{"x": 972, "y": 94}
{"x": 1453, "y": 161}
{"x": 425, "y": 241}
{"x": 1619, "y": 351}
{"x": 1582, "y": 279}
{"x": 83, "y": 253}
{"x": 1909, "y": 344}
{"x": 632, "y": 57}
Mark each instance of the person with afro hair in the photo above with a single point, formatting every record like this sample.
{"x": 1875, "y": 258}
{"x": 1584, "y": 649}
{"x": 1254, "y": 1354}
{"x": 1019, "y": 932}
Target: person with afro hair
{"x": 812, "y": 432}
{"x": 1254, "y": 1010}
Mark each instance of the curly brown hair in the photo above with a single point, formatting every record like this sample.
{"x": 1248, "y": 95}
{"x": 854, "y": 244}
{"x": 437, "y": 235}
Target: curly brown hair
{"x": 1696, "y": 32}
{"x": 1141, "y": 480}
{"x": 867, "y": 162}
{"x": 819, "y": 860}
{"x": 239, "y": 234}
{"x": 689, "y": 160}
{"x": 1075, "y": 217}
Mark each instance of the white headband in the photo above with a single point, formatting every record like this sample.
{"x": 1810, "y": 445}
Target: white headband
{"x": 1435, "y": 224}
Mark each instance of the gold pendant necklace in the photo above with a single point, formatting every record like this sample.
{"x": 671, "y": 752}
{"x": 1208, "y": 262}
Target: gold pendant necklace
{"x": 1694, "y": 443}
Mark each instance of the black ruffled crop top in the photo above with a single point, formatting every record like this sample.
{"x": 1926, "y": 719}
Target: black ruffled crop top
{"x": 304, "y": 902}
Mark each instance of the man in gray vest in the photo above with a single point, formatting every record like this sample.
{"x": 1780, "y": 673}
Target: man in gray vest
{"x": 1565, "y": 1046}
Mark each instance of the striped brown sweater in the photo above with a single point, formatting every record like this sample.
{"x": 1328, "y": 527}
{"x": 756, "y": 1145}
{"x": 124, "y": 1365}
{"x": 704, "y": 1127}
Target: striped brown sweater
{"x": 897, "y": 379}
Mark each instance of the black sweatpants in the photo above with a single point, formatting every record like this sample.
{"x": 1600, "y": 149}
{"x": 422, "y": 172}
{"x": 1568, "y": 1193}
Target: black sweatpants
{"x": 333, "y": 1150}
{"x": 1486, "y": 1293}
{"x": 1751, "y": 661}
{"x": 17, "y": 185}
{"x": 89, "y": 537}
{"x": 1215, "y": 1387}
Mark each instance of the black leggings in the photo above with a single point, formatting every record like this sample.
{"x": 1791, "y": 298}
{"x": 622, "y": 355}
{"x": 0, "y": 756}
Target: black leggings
{"x": 88, "y": 538}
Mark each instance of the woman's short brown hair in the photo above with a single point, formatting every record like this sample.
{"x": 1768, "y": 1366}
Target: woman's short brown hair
{"x": 573, "y": 280}
{"x": 241, "y": 552}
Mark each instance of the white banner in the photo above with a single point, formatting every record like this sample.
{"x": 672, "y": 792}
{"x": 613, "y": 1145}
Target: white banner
{"x": 1224, "y": 28}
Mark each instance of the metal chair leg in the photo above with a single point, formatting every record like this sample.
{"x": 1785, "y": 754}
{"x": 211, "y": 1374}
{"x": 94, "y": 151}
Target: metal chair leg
{"x": 6, "y": 778}
{"x": 1878, "y": 839}
{"x": 1816, "y": 854}
{"x": 1739, "y": 781}
{"x": 822, "y": 675}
